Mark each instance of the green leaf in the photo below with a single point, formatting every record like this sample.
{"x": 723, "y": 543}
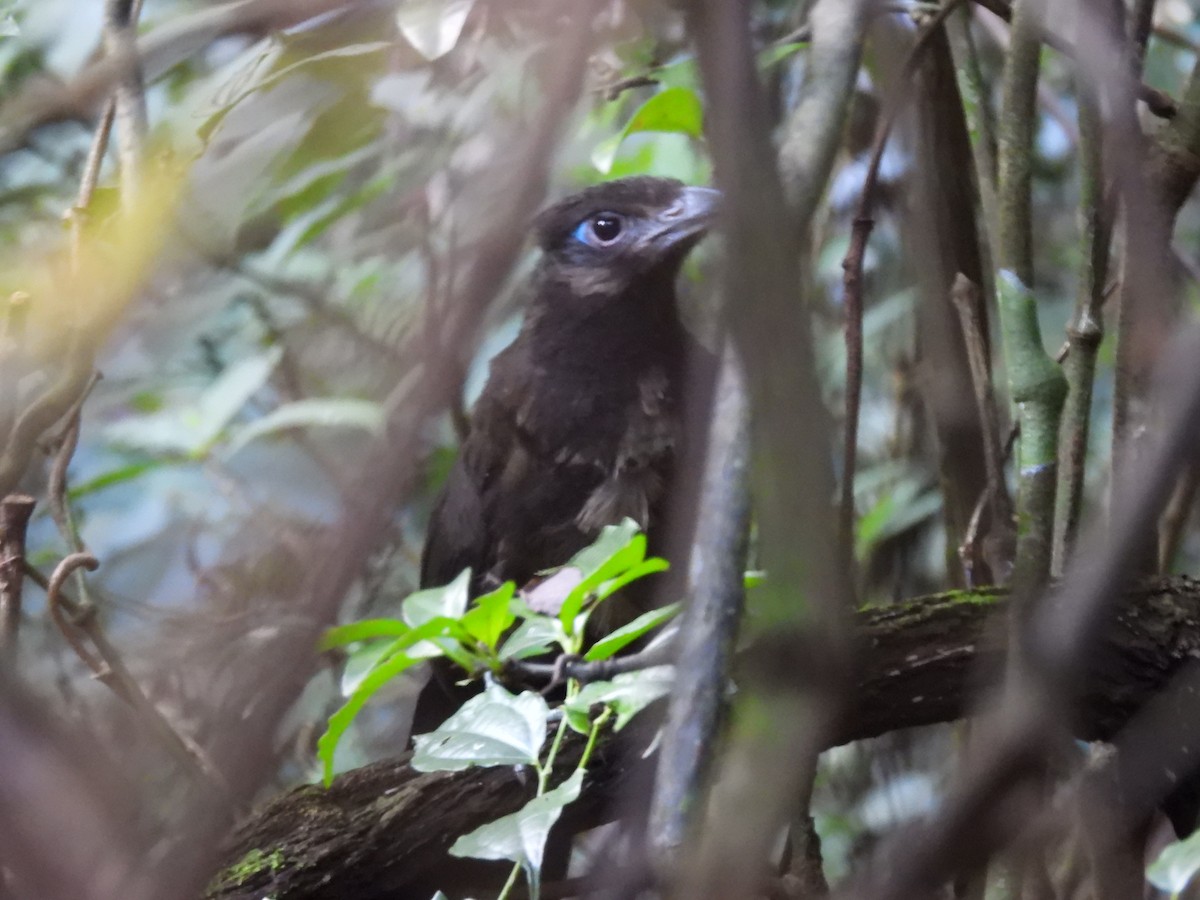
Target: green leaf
{"x": 579, "y": 720}
{"x": 490, "y": 616}
{"x": 521, "y": 836}
{"x": 433, "y": 29}
{"x": 531, "y": 638}
{"x": 618, "y": 549}
{"x": 778, "y": 53}
{"x": 613, "y": 540}
{"x": 897, "y": 510}
{"x": 415, "y": 646}
{"x": 676, "y": 109}
{"x": 361, "y": 662}
{"x": 641, "y": 570}
{"x": 449, "y": 601}
{"x": 363, "y": 631}
{"x": 346, "y": 413}
{"x": 191, "y": 428}
{"x": 1176, "y": 865}
{"x": 344, "y": 717}
{"x": 495, "y": 728}
{"x": 116, "y": 476}
{"x": 318, "y": 220}
{"x": 627, "y": 694}
{"x": 627, "y": 634}
{"x": 754, "y": 578}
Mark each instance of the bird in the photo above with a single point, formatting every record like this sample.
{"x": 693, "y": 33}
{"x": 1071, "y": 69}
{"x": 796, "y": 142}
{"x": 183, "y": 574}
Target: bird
{"x": 582, "y": 420}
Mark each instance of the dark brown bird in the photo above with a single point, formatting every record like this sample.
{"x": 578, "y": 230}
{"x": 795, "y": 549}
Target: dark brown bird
{"x": 581, "y": 421}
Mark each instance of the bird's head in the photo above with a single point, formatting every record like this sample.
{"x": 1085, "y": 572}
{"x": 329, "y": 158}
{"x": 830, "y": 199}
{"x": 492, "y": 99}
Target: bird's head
{"x": 614, "y": 235}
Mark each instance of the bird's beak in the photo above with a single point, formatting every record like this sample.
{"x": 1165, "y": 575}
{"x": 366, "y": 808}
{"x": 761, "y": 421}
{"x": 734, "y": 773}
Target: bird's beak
{"x": 686, "y": 220}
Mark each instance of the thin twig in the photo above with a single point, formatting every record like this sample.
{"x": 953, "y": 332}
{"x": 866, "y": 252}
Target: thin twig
{"x": 570, "y": 667}
{"x": 15, "y": 511}
{"x": 57, "y": 489}
{"x": 76, "y": 216}
{"x": 76, "y": 621}
{"x": 852, "y": 293}
{"x": 1141, "y": 24}
{"x": 998, "y": 558}
{"x": 1157, "y": 102}
{"x": 1175, "y": 517}
{"x": 71, "y": 617}
{"x": 966, "y": 298}
{"x": 129, "y": 95}
{"x": 1086, "y": 328}
{"x": 47, "y": 409}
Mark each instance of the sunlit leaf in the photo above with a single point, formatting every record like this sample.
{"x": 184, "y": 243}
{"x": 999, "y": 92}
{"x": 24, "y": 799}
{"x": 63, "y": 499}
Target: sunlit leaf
{"x": 361, "y": 662}
{"x": 521, "y": 836}
{"x": 676, "y": 109}
{"x": 490, "y": 615}
{"x": 753, "y": 578}
{"x": 345, "y": 413}
{"x": 777, "y": 53}
{"x": 628, "y": 693}
{"x": 115, "y": 477}
{"x": 613, "y": 540}
{"x": 1176, "y": 865}
{"x": 618, "y": 549}
{"x": 429, "y": 639}
{"x": 531, "y": 638}
{"x": 363, "y": 631}
{"x": 87, "y": 291}
{"x": 433, "y": 28}
{"x": 495, "y": 728}
{"x": 622, "y": 637}
{"x": 906, "y": 505}
{"x": 344, "y": 717}
{"x": 650, "y": 566}
{"x": 189, "y": 429}
{"x": 449, "y": 601}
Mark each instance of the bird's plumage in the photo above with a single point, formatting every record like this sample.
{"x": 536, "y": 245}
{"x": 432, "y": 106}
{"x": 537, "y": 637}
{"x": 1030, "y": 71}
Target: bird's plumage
{"x": 580, "y": 423}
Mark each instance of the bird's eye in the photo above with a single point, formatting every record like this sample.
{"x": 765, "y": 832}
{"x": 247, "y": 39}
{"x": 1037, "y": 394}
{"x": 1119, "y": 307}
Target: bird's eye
{"x": 599, "y": 230}
{"x": 606, "y": 227}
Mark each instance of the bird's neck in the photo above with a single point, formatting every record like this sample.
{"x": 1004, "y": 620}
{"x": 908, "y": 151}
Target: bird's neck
{"x": 606, "y": 334}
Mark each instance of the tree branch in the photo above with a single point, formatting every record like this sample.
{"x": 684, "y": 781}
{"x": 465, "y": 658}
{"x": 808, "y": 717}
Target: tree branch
{"x": 382, "y": 831}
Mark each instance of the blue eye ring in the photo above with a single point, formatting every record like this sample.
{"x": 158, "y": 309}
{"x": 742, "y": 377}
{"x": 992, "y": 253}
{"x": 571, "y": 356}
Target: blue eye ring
{"x": 599, "y": 230}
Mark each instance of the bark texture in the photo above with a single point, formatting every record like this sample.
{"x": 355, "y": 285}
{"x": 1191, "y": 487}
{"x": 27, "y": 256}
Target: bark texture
{"x": 382, "y": 831}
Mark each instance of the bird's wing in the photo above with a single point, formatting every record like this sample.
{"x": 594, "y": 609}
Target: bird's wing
{"x": 457, "y": 536}
{"x": 460, "y": 533}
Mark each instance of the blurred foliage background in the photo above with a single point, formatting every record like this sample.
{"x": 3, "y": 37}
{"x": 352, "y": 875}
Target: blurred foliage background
{"x": 336, "y": 175}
